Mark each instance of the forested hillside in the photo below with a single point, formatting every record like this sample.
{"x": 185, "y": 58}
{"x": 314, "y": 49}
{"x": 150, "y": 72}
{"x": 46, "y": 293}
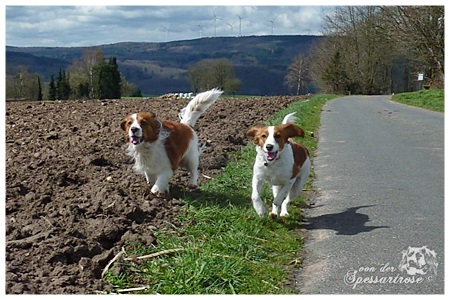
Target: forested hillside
{"x": 260, "y": 62}
{"x": 364, "y": 50}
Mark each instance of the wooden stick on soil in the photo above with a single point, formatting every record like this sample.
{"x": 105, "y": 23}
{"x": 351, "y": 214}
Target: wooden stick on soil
{"x": 122, "y": 251}
{"x": 141, "y": 288}
{"x": 164, "y": 252}
{"x": 30, "y": 239}
{"x": 118, "y": 255}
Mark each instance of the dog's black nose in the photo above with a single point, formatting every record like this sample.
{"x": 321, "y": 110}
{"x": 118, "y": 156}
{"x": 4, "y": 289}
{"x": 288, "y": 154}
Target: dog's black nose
{"x": 134, "y": 129}
{"x": 269, "y": 147}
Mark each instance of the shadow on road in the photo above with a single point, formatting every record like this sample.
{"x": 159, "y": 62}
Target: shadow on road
{"x": 348, "y": 222}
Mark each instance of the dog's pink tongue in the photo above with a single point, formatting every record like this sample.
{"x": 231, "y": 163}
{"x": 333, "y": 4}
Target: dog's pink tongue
{"x": 271, "y": 155}
{"x": 135, "y": 140}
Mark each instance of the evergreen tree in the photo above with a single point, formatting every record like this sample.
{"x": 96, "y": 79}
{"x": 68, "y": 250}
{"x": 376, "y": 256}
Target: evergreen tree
{"x": 52, "y": 89}
{"x": 115, "y": 78}
{"x": 39, "y": 96}
{"x": 82, "y": 91}
{"x": 106, "y": 80}
{"x": 65, "y": 86}
{"x": 59, "y": 84}
{"x": 98, "y": 88}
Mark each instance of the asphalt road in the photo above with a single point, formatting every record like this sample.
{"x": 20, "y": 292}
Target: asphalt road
{"x": 380, "y": 177}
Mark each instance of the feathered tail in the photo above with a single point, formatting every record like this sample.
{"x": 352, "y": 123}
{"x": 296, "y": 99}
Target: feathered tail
{"x": 197, "y": 106}
{"x": 290, "y": 118}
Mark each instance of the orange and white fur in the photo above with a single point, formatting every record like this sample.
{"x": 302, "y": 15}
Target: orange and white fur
{"x": 280, "y": 161}
{"x": 159, "y": 147}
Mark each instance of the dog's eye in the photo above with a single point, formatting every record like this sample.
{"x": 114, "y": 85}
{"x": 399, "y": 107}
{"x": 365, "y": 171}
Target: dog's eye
{"x": 277, "y": 136}
{"x": 129, "y": 123}
{"x": 143, "y": 123}
{"x": 264, "y": 136}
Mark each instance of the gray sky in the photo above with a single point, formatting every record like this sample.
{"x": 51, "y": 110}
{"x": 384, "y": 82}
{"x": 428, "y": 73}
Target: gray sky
{"x": 67, "y": 26}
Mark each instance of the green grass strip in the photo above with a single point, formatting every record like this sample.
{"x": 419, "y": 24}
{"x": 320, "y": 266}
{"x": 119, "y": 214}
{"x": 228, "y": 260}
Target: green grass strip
{"x": 432, "y": 99}
{"x": 227, "y": 248}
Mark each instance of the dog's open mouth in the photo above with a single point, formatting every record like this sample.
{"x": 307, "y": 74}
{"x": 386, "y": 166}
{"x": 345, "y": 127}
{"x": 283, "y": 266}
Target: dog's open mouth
{"x": 135, "y": 140}
{"x": 271, "y": 155}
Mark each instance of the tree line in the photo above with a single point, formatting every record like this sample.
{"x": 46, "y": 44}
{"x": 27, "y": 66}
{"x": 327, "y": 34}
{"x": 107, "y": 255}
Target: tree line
{"x": 365, "y": 50}
{"x": 374, "y": 50}
{"x": 90, "y": 77}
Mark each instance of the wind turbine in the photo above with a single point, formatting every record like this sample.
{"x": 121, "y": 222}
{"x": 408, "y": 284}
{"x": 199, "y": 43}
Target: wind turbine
{"x": 215, "y": 23}
{"x": 167, "y": 31}
{"x": 200, "y": 30}
{"x": 273, "y": 23}
{"x": 240, "y": 22}
{"x": 231, "y": 26}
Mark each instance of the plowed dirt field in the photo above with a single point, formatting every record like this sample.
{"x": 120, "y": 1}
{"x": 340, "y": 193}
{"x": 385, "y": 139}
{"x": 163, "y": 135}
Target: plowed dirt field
{"x": 72, "y": 199}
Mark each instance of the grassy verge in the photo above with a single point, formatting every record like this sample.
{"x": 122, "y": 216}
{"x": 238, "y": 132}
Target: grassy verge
{"x": 223, "y": 247}
{"x": 430, "y": 99}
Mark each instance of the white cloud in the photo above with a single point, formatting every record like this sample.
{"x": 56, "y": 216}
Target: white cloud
{"x": 93, "y": 25}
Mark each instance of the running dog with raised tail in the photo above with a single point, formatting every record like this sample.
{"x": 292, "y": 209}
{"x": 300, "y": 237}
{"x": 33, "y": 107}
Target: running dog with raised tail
{"x": 282, "y": 162}
{"x": 159, "y": 147}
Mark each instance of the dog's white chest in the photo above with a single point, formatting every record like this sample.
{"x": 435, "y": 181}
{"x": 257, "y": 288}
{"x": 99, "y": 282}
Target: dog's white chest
{"x": 150, "y": 158}
{"x": 277, "y": 172}
{"x": 275, "y": 176}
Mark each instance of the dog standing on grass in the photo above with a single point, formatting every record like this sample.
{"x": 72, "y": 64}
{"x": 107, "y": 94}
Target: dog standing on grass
{"x": 159, "y": 147}
{"x": 282, "y": 162}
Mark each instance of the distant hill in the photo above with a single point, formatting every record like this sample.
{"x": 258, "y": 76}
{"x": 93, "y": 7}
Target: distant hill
{"x": 260, "y": 62}
{"x": 35, "y": 64}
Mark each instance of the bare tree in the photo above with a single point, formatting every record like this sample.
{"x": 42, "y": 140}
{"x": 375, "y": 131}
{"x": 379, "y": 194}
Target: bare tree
{"x": 365, "y": 52}
{"x": 213, "y": 73}
{"x": 197, "y": 75}
{"x": 23, "y": 85}
{"x": 81, "y": 73}
{"x": 298, "y": 73}
{"x": 419, "y": 30}
{"x": 320, "y": 58}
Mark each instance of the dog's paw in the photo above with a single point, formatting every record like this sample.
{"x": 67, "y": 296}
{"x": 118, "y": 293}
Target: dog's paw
{"x": 160, "y": 194}
{"x": 261, "y": 215}
{"x": 284, "y": 214}
{"x": 273, "y": 216}
{"x": 157, "y": 191}
{"x": 259, "y": 207}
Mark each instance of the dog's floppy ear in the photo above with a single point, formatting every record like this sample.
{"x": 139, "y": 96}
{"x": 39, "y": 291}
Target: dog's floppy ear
{"x": 124, "y": 122}
{"x": 252, "y": 133}
{"x": 151, "y": 126}
{"x": 149, "y": 118}
{"x": 292, "y": 130}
